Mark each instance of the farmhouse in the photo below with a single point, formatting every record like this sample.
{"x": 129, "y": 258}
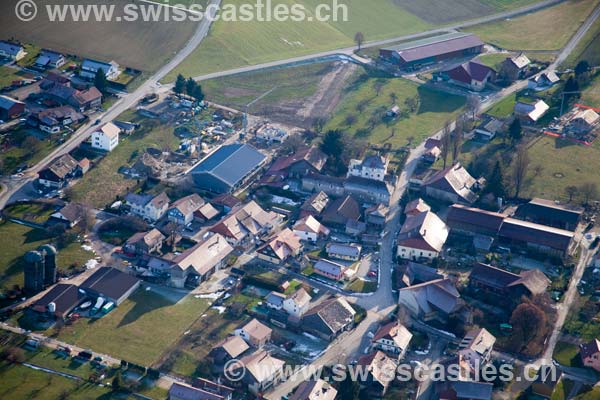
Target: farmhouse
{"x": 228, "y": 349}
{"x": 50, "y": 59}
{"x": 309, "y": 229}
{"x": 474, "y": 221}
{"x": 12, "y": 51}
{"x": 507, "y": 284}
{"x": 255, "y": 333}
{"x": 329, "y": 318}
{"x": 145, "y": 242}
{"x": 381, "y": 370}
{"x": 110, "y": 284}
{"x": 437, "y": 299}
{"x": 10, "y": 108}
{"x": 246, "y": 222}
{"x": 106, "y": 137}
{"x": 421, "y": 52}
{"x": 453, "y": 184}
{"x": 280, "y": 248}
{"x": 417, "y": 206}
{"x": 304, "y": 161}
{"x": 531, "y": 112}
{"x": 472, "y": 75}
{"x": 342, "y": 210}
{"x": 89, "y": 69}
{"x": 422, "y": 236}
{"x": 550, "y": 213}
{"x": 392, "y": 338}
{"x": 182, "y": 211}
{"x": 542, "y": 238}
{"x": 514, "y": 68}
{"x": 199, "y": 262}
{"x": 228, "y": 168}
{"x": 59, "y": 301}
{"x": 314, "y": 390}
{"x": 148, "y": 206}
{"x": 59, "y": 172}
{"x": 371, "y": 167}
{"x": 349, "y": 252}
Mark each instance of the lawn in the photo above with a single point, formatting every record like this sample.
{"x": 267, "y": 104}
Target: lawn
{"x": 591, "y": 95}
{"x": 564, "y": 163}
{"x": 23, "y": 147}
{"x": 33, "y": 212}
{"x": 362, "y": 286}
{"x": 593, "y": 394}
{"x": 17, "y": 240}
{"x": 547, "y": 29}
{"x": 8, "y": 76}
{"x": 504, "y": 107}
{"x": 141, "y": 45}
{"x": 493, "y": 60}
{"x": 139, "y": 330}
{"x": 566, "y": 354}
{"x": 587, "y": 49}
{"x": 432, "y": 110}
{"x": 105, "y": 174}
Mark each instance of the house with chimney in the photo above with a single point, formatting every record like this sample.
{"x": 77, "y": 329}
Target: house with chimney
{"x": 422, "y": 236}
{"x": 281, "y": 247}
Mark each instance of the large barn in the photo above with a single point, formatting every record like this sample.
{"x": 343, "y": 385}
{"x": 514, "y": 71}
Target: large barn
{"x": 227, "y": 168}
{"x": 420, "y": 52}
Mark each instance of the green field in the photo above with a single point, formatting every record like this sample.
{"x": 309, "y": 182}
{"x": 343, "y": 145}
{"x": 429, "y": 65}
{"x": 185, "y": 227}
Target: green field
{"x": 566, "y": 354}
{"x": 139, "y": 330}
{"x": 8, "y": 76}
{"x": 591, "y": 95}
{"x": 105, "y": 174}
{"x": 493, "y": 60}
{"x": 23, "y": 148}
{"x": 17, "y": 240}
{"x": 33, "y": 212}
{"x": 433, "y": 109}
{"x": 547, "y": 29}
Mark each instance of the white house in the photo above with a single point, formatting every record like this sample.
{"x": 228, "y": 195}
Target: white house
{"x": 392, "y": 338}
{"x": 297, "y": 304}
{"x": 106, "y": 137}
{"x": 309, "y": 229}
{"x": 11, "y": 51}
{"x": 147, "y": 206}
{"x": 372, "y": 167}
{"x": 422, "y": 236}
{"x": 89, "y": 69}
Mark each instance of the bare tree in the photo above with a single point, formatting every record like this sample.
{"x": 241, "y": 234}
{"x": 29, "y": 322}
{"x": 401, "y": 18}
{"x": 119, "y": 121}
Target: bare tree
{"x": 473, "y": 104}
{"x": 457, "y": 138}
{"x": 350, "y": 119}
{"x": 589, "y": 191}
{"x": 520, "y": 166}
{"x": 292, "y": 144}
{"x": 393, "y": 98}
{"x": 359, "y": 39}
{"x": 378, "y": 86}
{"x": 571, "y": 191}
{"x": 445, "y": 141}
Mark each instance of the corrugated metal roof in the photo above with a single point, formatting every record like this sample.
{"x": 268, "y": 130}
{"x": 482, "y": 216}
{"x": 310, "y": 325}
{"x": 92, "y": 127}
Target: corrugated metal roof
{"x": 437, "y": 45}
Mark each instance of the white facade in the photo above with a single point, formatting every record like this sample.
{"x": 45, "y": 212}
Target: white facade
{"x": 372, "y": 167}
{"x": 410, "y": 253}
{"x": 294, "y": 309}
{"x": 106, "y": 138}
{"x": 306, "y": 235}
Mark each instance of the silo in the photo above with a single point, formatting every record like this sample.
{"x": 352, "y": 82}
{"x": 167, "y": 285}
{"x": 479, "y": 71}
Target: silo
{"x": 49, "y": 253}
{"x": 34, "y": 272}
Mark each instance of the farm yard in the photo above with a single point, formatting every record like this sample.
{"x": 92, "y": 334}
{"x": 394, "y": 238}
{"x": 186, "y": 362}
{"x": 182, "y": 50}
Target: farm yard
{"x": 140, "y": 45}
{"x": 227, "y": 46}
{"x": 362, "y": 111}
{"x": 547, "y": 29}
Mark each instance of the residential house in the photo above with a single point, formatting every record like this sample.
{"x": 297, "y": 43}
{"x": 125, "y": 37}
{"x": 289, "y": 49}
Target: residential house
{"x": 330, "y": 269}
{"x": 87, "y": 99}
{"x": 516, "y": 67}
{"x": 472, "y": 75}
{"x": 228, "y": 168}
{"x": 106, "y": 137}
{"x": 110, "y": 284}
{"x": 143, "y": 243}
{"x": 416, "y": 206}
{"x": 590, "y": 354}
{"x": 508, "y": 285}
{"x": 262, "y": 371}
{"x": 543, "y": 81}
{"x": 432, "y": 150}
{"x": 314, "y": 390}
{"x": 271, "y": 134}
{"x": 341, "y": 251}
{"x": 206, "y": 213}
{"x": 342, "y": 210}
{"x": 530, "y": 112}
{"x": 302, "y": 162}
{"x": 437, "y": 299}
{"x": 202, "y": 389}
{"x": 282, "y": 246}
{"x": 467, "y": 390}
{"x": 182, "y": 211}
{"x": 54, "y": 120}
{"x": 381, "y": 372}
{"x": 475, "y": 351}
{"x": 228, "y": 349}
{"x": 245, "y": 223}
{"x": 255, "y": 333}
{"x": 10, "y": 108}
{"x": 314, "y": 205}
{"x": 59, "y": 301}
{"x": 474, "y": 221}
{"x": 329, "y": 318}
{"x": 70, "y": 215}
{"x": 422, "y": 236}
{"x": 12, "y": 51}
{"x": 89, "y": 69}
{"x": 376, "y": 215}
{"x": 226, "y": 202}
{"x": 392, "y": 338}
{"x": 550, "y": 213}
{"x": 416, "y": 273}
{"x": 453, "y": 185}
{"x": 49, "y": 59}
{"x": 310, "y": 230}
{"x": 59, "y": 172}
{"x": 275, "y": 300}
{"x": 148, "y": 206}
{"x": 488, "y": 128}
{"x": 540, "y": 238}
{"x": 371, "y": 167}
{"x": 297, "y": 303}
{"x": 199, "y": 262}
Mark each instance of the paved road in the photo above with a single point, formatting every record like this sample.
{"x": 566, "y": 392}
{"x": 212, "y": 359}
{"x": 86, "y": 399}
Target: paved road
{"x": 126, "y": 102}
